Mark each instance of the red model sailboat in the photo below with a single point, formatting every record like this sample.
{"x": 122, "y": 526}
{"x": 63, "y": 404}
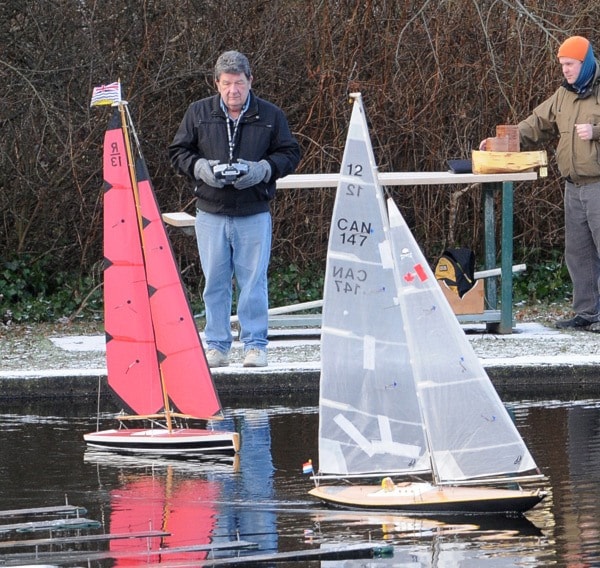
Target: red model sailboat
{"x": 154, "y": 355}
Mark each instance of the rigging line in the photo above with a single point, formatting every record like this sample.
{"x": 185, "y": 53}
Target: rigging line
{"x": 98, "y": 404}
{"x": 133, "y": 132}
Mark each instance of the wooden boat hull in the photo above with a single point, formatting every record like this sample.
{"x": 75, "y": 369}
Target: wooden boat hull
{"x": 426, "y": 498}
{"x": 180, "y": 441}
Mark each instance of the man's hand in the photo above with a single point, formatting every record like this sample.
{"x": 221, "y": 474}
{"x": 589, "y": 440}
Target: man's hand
{"x": 584, "y": 131}
{"x": 257, "y": 172}
{"x": 203, "y": 170}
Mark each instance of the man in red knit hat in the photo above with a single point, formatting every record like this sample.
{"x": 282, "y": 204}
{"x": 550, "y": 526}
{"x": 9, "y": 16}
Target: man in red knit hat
{"x": 572, "y": 115}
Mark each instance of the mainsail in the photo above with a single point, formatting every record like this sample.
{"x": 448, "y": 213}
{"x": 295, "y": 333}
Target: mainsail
{"x": 370, "y": 421}
{"x": 153, "y": 348}
{"x": 401, "y": 390}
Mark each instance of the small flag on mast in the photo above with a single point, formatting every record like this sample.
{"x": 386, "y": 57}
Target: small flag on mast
{"x": 307, "y": 467}
{"x": 106, "y": 94}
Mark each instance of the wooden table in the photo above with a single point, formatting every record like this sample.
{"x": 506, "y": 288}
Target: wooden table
{"x": 497, "y": 319}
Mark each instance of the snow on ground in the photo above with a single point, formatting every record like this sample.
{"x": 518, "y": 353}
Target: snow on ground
{"x": 532, "y": 344}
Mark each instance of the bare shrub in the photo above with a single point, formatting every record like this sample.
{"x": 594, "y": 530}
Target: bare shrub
{"x": 436, "y": 78}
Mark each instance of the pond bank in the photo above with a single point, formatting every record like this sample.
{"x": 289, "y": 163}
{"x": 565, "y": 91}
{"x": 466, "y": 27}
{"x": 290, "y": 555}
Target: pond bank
{"x": 535, "y": 360}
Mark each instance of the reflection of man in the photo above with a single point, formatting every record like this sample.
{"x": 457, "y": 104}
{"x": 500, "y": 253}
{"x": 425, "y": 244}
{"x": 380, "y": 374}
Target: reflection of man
{"x": 233, "y": 219}
{"x": 577, "y": 501}
{"x": 572, "y": 114}
{"x": 254, "y": 485}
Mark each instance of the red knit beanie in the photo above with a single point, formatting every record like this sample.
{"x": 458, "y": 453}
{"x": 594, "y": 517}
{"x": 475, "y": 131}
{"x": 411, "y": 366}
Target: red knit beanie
{"x": 575, "y": 47}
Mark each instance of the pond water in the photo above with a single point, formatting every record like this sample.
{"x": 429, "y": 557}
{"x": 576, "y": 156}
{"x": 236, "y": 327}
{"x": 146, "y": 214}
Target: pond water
{"x": 262, "y": 498}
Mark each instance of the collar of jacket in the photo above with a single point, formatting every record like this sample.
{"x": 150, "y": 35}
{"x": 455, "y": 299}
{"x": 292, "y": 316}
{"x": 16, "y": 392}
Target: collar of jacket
{"x": 251, "y": 112}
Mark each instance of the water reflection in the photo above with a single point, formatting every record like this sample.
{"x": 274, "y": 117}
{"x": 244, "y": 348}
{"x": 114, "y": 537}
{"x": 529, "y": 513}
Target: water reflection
{"x": 262, "y": 497}
{"x": 171, "y": 503}
{"x": 255, "y": 485}
{"x": 168, "y": 495}
{"x": 580, "y": 531}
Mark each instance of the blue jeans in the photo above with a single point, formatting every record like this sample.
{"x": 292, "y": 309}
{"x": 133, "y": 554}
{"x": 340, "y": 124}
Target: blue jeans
{"x": 237, "y": 247}
{"x": 582, "y": 247}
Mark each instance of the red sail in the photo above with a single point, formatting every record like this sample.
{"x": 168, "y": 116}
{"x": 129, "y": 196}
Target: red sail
{"x": 185, "y": 371}
{"x": 150, "y": 328}
{"x": 131, "y": 358}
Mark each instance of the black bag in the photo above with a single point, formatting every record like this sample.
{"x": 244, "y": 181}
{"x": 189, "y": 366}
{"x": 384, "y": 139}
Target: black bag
{"x": 456, "y": 267}
{"x": 460, "y": 166}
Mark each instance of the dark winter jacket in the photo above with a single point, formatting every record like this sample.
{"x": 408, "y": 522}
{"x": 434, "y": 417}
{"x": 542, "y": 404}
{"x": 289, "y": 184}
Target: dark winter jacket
{"x": 263, "y": 133}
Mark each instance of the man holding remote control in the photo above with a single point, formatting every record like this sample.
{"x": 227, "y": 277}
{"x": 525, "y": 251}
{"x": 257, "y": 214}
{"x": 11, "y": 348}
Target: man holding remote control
{"x": 234, "y": 146}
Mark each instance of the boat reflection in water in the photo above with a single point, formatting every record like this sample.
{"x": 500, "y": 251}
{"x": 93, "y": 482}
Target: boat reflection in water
{"x": 159, "y": 497}
{"x": 197, "y": 501}
{"x": 424, "y": 542}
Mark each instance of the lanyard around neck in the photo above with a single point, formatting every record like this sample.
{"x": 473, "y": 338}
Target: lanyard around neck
{"x": 231, "y": 136}
{"x": 233, "y": 123}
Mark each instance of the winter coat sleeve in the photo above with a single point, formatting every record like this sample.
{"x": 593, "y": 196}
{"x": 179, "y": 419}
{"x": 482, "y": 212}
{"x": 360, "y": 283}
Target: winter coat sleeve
{"x": 183, "y": 151}
{"x": 539, "y": 127}
{"x": 284, "y": 151}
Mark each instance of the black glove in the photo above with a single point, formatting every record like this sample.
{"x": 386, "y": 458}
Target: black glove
{"x": 203, "y": 170}
{"x": 257, "y": 172}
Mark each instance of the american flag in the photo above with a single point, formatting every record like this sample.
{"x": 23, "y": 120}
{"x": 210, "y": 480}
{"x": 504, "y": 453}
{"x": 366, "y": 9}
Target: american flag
{"x": 106, "y": 94}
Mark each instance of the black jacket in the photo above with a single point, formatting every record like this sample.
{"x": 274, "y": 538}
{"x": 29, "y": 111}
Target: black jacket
{"x": 263, "y": 133}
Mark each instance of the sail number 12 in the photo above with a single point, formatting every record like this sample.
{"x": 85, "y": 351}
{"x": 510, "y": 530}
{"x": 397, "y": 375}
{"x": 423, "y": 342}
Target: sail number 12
{"x": 355, "y": 169}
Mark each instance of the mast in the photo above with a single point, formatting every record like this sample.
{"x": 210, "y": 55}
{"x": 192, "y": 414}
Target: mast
{"x": 126, "y": 126}
{"x": 391, "y": 217}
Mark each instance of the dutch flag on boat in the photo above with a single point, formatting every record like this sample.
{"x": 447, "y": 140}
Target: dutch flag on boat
{"x": 307, "y": 467}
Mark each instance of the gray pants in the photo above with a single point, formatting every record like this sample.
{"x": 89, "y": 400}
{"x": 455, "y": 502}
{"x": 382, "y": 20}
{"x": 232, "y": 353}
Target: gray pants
{"x": 582, "y": 247}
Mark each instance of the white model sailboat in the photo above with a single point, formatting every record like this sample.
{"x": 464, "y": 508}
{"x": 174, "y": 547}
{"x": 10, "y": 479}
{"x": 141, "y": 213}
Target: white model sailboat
{"x": 154, "y": 355}
{"x": 404, "y": 400}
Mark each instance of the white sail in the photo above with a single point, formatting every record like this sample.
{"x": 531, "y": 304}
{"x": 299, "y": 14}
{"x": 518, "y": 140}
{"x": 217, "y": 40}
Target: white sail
{"x": 469, "y": 431}
{"x": 369, "y": 417}
{"x": 401, "y": 389}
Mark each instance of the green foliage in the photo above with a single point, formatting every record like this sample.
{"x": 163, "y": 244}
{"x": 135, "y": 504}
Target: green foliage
{"x": 290, "y": 284}
{"x": 546, "y": 280}
{"x": 32, "y": 291}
